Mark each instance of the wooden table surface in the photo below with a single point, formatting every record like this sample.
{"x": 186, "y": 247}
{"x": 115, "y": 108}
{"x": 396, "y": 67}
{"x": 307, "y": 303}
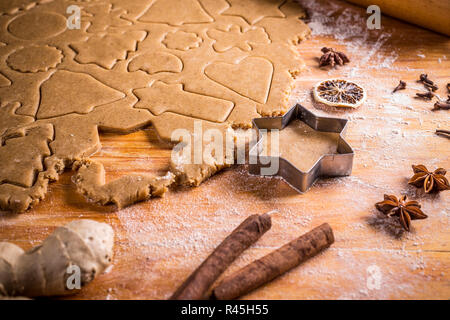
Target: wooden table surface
{"x": 160, "y": 242}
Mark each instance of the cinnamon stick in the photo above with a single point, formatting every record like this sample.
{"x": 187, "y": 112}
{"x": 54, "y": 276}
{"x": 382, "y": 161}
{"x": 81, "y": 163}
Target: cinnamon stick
{"x": 247, "y": 233}
{"x": 274, "y": 264}
{"x": 444, "y": 133}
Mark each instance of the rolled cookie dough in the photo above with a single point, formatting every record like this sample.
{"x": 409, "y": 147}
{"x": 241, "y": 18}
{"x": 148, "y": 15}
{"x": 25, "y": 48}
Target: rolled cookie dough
{"x": 130, "y": 64}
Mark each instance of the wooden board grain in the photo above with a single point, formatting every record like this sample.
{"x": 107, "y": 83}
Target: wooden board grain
{"x": 160, "y": 242}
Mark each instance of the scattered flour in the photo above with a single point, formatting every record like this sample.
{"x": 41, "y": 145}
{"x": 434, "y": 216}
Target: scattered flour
{"x": 168, "y": 244}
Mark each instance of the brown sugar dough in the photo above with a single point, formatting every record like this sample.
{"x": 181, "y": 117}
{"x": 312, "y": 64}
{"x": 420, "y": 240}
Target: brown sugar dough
{"x": 103, "y": 15}
{"x": 22, "y": 170}
{"x": 234, "y": 37}
{"x": 303, "y": 146}
{"x": 4, "y": 81}
{"x": 14, "y": 6}
{"x": 166, "y": 63}
{"x": 252, "y": 11}
{"x": 126, "y": 190}
{"x": 9, "y": 119}
{"x": 22, "y": 60}
{"x": 23, "y": 179}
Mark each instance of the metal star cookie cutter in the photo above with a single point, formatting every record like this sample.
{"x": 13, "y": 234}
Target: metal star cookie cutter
{"x": 328, "y": 165}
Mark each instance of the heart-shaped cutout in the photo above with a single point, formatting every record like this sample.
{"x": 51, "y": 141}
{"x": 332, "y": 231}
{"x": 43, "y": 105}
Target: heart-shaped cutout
{"x": 251, "y": 77}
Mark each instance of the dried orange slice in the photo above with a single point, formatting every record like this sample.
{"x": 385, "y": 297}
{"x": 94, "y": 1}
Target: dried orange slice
{"x": 339, "y": 93}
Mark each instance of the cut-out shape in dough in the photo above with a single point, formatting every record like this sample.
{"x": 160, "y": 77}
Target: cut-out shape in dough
{"x": 176, "y": 12}
{"x": 103, "y": 15}
{"x": 17, "y": 169}
{"x": 181, "y": 40}
{"x": 66, "y": 92}
{"x": 134, "y": 9}
{"x": 24, "y": 60}
{"x": 4, "y": 81}
{"x": 13, "y": 6}
{"x": 9, "y": 119}
{"x": 105, "y": 50}
{"x": 37, "y": 25}
{"x": 161, "y": 97}
{"x": 120, "y": 116}
{"x": 252, "y": 77}
{"x": 235, "y": 37}
{"x": 253, "y": 11}
{"x": 290, "y": 28}
{"x": 155, "y": 62}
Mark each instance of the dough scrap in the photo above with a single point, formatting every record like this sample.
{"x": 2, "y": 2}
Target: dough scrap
{"x": 126, "y": 190}
{"x": 131, "y": 64}
{"x": 22, "y": 179}
{"x": 20, "y": 170}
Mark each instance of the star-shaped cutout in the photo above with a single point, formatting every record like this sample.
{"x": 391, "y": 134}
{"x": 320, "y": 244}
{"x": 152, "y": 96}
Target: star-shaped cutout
{"x": 328, "y": 165}
{"x": 253, "y": 11}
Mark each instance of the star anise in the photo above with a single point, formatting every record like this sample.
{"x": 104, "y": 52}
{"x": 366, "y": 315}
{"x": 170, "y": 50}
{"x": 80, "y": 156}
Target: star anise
{"x": 404, "y": 210}
{"x": 430, "y": 181}
{"x": 331, "y": 57}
